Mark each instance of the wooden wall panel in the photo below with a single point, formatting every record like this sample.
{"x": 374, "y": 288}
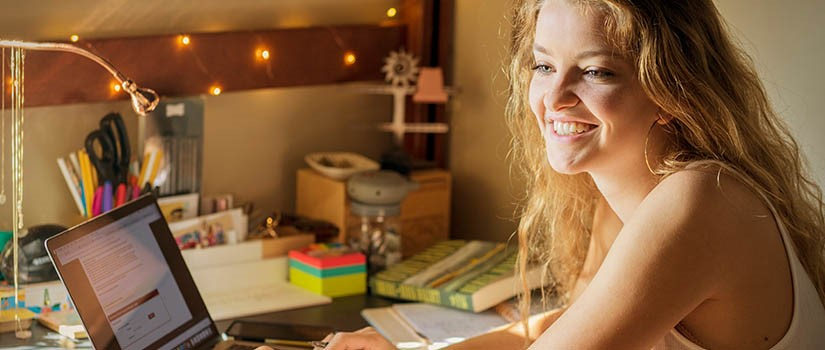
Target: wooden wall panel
{"x": 305, "y": 56}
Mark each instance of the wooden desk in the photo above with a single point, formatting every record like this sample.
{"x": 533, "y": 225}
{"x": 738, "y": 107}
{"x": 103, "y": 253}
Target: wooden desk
{"x": 342, "y": 314}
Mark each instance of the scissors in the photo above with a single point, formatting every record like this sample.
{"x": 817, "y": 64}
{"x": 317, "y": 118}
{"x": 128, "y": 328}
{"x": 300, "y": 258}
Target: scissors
{"x": 113, "y": 162}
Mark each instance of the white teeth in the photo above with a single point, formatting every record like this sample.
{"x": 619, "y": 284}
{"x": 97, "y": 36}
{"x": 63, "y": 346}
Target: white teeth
{"x": 570, "y": 128}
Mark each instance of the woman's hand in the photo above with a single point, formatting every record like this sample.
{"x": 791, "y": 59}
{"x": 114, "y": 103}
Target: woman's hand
{"x": 362, "y": 339}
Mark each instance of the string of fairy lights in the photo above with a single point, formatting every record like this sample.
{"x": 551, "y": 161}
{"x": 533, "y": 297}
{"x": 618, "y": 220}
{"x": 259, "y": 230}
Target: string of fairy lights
{"x": 261, "y": 53}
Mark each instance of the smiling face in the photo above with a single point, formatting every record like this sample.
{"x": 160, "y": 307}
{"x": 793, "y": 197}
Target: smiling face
{"x": 588, "y": 102}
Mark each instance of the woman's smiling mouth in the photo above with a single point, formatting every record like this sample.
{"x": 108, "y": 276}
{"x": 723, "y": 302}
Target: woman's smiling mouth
{"x": 571, "y": 128}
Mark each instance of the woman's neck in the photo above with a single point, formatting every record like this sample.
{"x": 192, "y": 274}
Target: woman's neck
{"x": 627, "y": 182}
{"x": 624, "y": 191}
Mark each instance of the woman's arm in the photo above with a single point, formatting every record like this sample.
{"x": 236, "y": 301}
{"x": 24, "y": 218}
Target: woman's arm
{"x": 510, "y": 336}
{"x": 606, "y": 226}
{"x": 667, "y": 259}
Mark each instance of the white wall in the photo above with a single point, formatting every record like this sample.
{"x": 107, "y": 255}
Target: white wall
{"x": 785, "y": 39}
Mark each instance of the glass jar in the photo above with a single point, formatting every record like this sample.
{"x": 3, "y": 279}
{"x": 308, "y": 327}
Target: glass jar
{"x": 375, "y": 232}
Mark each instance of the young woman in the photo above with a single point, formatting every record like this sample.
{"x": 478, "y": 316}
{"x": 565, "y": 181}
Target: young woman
{"x": 666, "y": 198}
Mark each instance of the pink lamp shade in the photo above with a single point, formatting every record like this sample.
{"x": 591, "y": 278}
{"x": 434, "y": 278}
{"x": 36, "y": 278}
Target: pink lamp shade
{"x": 430, "y": 86}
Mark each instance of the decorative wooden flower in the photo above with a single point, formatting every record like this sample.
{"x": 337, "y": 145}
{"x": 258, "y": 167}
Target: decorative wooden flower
{"x": 400, "y": 68}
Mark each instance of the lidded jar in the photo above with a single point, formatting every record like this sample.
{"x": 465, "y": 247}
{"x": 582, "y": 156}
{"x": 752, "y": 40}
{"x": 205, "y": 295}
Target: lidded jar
{"x": 375, "y": 201}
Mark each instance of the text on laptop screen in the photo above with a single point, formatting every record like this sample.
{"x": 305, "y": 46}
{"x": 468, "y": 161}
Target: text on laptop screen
{"x": 126, "y": 272}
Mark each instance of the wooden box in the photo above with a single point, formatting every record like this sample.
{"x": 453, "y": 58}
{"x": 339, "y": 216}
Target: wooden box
{"x": 425, "y": 213}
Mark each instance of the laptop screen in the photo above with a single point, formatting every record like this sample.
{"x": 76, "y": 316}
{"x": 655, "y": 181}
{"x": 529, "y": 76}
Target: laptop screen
{"x": 128, "y": 281}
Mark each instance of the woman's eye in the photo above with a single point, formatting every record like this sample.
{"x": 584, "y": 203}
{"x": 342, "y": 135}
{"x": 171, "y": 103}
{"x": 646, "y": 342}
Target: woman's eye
{"x": 599, "y": 74}
{"x": 542, "y": 68}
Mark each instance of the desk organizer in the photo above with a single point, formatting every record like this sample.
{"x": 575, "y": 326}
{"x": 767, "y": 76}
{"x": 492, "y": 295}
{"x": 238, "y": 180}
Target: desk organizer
{"x": 328, "y": 269}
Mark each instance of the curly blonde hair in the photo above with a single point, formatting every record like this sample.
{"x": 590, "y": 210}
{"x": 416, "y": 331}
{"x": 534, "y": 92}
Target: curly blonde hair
{"x": 691, "y": 69}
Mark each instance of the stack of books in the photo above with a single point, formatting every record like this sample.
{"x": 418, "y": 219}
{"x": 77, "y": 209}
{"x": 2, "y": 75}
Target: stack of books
{"x": 467, "y": 275}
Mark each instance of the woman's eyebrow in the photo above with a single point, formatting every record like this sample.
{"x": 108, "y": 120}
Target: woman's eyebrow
{"x": 541, "y": 49}
{"x": 580, "y": 55}
{"x": 594, "y": 53}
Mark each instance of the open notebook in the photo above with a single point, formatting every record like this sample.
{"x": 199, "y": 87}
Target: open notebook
{"x": 427, "y": 326}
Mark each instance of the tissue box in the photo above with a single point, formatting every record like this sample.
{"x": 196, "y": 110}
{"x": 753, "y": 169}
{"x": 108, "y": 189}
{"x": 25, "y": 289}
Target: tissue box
{"x": 328, "y": 270}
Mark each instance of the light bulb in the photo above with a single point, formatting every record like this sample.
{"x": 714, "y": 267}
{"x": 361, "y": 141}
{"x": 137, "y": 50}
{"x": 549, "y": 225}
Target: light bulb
{"x": 185, "y": 40}
{"x": 74, "y": 38}
{"x": 116, "y": 87}
{"x": 262, "y": 54}
{"x": 349, "y": 58}
{"x": 215, "y": 90}
{"x": 391, "y": 12}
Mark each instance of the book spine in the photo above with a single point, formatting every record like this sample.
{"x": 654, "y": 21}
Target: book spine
{"x": 419, "y": 262}
{"x": 397, "y": 290}
{"x": 503, "y": 269}
{"x": 462, "y": 298}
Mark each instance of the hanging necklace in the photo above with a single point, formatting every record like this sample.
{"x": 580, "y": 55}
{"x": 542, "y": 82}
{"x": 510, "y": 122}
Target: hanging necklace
{"x": 3, "y": 135}
{"x": 17, "y": 60}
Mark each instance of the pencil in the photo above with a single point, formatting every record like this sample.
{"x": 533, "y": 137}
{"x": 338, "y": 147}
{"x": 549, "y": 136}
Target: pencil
{"x": 71, "y": 183}
{"x": 147, "y": 157}
{"x": 88, "y": 191}
{"x": 75, "y": 164}
{"x": 155, "y": 167}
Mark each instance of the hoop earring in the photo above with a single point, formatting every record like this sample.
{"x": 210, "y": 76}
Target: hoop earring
{"x": 647, "y": 138}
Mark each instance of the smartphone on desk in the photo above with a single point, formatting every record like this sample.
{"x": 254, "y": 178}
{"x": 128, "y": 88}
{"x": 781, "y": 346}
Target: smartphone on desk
{"x": 278, "y": 334}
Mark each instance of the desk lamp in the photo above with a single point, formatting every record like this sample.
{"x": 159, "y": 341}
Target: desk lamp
{"x": 143, "y": 101}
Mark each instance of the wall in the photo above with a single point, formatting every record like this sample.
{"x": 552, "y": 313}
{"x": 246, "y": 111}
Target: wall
{"x": 254, "y": 143}
{"x": 254, "y": 140}
{"x": 484, "y": 193}
{"x": 784, "y": 40}
{"x": 58, "y": 19}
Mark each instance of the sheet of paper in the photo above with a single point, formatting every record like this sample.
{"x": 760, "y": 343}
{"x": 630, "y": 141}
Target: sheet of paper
{"x": 243, "y": 289}
{"x": 440, "y": 324}
{"x": 387, "y": 322}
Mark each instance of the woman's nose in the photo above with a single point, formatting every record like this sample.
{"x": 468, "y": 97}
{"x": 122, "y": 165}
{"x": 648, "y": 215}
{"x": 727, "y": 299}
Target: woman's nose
{"x": 560, "y": 95}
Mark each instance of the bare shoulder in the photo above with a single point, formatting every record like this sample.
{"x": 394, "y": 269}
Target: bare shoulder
{"x": 708, "y": 193}
{"x": 713, "y": 209}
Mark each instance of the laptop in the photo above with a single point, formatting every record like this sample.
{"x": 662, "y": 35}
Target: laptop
{"x": 130, "y": 285}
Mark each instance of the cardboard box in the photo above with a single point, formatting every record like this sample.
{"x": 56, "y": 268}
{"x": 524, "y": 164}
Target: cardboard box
{"x": 425, "y": 213}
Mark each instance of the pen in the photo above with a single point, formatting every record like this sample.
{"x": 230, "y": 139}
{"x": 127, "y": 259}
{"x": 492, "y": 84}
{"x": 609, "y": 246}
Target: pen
{"x": 299, "y": 343}
{"x": 97, "y": 204}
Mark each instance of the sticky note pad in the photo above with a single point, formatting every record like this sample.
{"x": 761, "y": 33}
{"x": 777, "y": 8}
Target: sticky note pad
{"x": 332, "y": 274}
